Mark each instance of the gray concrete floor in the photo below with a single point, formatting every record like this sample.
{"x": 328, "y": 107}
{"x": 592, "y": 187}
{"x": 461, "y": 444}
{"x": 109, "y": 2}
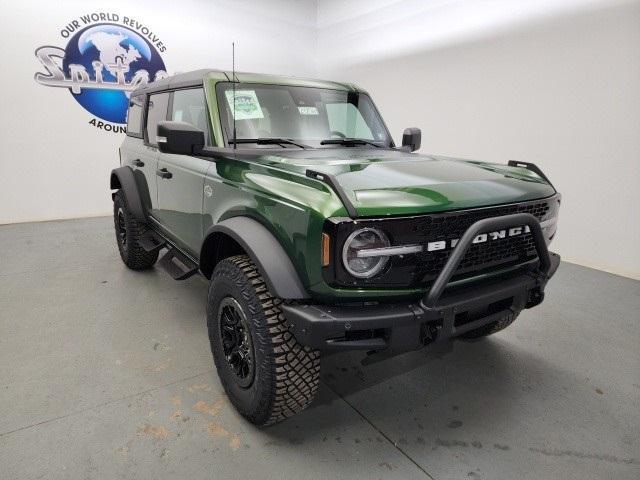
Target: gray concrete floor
{"x": 106, "y": 373}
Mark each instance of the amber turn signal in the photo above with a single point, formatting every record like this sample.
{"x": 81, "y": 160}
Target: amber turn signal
{"x": 326, "y": 250}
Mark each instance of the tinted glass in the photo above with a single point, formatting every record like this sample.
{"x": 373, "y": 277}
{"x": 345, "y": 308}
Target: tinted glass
{"x": 189, "y": 106}
{"x": 156, "y": 112}
{"x": 134, "y": 115}
{"x": 304, "y": 114}
{"x": 346, "y": 119}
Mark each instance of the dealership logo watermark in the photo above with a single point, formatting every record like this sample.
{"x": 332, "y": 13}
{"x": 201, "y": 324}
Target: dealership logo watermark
{"x": 107, "y": 56}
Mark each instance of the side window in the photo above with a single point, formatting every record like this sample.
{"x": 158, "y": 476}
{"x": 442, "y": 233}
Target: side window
{"x": 156, "y": 112}
{"x": 134, "y": 116}
{"x": 189, "y": 106}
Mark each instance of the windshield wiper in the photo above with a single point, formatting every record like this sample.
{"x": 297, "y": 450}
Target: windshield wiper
{"x": 268, "y": 141}
{"x": 349, "y": 142}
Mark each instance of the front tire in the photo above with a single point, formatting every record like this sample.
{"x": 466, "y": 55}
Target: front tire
{"x": 128, "y": 233}
{"x": 266, "y": 373}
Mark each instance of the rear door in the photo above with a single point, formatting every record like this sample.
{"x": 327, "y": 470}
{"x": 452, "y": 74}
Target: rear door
{"x": 136, "y": 154}
{"x": 141, "y": 152}
{"x": 180, "y": 196}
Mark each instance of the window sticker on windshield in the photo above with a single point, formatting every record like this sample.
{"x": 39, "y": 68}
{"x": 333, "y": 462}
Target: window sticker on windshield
{"x": 308, "y": 110}
{"x": 247, "y": 104}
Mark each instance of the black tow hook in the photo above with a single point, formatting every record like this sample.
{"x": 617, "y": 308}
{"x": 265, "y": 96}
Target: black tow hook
{"x": 535, "y": 297}
{"x": 429, "y": 333}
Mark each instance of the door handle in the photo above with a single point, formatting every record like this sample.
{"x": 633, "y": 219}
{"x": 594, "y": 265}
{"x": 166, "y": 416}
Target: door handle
{"x": 138, "y": 163}
{"x": 164, "y": 173}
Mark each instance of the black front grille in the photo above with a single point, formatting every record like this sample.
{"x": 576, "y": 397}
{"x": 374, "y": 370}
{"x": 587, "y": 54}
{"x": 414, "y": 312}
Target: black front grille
{"x": 421, "y": 269}
{"x": 480, "y": 256}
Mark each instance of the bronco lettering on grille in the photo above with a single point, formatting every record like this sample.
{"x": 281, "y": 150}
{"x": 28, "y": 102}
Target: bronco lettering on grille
{"x": 483, "y": 237}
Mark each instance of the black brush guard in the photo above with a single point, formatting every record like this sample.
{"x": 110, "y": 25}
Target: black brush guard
{"x": 442, "y": 314}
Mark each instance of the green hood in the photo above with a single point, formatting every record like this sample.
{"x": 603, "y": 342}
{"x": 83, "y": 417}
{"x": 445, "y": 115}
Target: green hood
{"x": 392, "y": 182}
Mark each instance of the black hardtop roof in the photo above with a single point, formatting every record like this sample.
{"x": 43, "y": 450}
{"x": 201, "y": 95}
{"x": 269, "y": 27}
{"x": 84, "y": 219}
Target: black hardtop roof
{"x": 197, "y": 78}
{"x": 179, "y": 80}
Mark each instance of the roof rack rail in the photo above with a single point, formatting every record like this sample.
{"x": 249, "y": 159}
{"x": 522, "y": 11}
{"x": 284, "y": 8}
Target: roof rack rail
{"x": 331, "y": 180}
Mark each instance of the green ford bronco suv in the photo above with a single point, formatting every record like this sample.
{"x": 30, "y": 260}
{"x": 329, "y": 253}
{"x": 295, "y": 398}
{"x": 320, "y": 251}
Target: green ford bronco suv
{"x": 316, "y": 232}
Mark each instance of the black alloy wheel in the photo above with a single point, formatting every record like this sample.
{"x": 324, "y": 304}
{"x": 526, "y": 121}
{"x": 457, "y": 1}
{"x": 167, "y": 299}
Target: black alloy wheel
{"x": 236, "y": 341}
{"x": 121, "y": 228}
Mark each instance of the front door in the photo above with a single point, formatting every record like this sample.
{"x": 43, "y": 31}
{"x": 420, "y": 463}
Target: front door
{"x": 147, "y": 159}
{"x": 181, "y": 177}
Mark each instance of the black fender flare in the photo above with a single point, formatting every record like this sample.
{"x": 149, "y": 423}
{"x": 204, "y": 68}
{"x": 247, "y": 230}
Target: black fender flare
{"x": 265, "y": 250}
{"x": 123, "y": 178}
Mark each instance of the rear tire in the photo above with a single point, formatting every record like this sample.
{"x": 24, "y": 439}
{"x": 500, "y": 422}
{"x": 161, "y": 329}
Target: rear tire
{"x": 266, "y": 373}
{"x": 492, "y": 328}
{"x": 128, "y": 232}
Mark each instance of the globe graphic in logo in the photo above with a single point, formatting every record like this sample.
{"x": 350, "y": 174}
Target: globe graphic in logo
{"x": 116, "y": 48}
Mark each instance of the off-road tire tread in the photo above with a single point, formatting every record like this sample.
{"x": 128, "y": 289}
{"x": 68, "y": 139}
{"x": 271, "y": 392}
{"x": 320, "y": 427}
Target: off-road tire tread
{"x": 134, "y": 256}
{"x": 293, "y": 370}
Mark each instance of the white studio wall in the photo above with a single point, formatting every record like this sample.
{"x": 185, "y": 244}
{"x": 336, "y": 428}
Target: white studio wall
{"x": 531, "y": 81}
{"x": 552, "y": 82}
{"x": 55, "y": 163}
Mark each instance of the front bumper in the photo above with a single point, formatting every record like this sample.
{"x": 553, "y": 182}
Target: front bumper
{"x": 444, "y": 313}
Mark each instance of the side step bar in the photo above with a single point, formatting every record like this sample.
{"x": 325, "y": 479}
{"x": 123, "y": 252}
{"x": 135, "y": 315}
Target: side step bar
{"x": 178, "y": 265}
{"x": 151, "y": 241}
{"x": 174, "y": 262}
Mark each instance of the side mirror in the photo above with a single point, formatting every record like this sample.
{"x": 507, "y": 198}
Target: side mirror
{"x": 411, "y": 138}
{"x": 179, "y": 137}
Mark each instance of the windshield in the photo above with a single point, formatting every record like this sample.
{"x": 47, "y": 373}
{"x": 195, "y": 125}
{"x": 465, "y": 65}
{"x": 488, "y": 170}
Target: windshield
{"x": 300, "y": 117}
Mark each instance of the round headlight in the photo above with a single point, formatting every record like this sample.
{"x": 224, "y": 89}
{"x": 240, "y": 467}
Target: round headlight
{"x": 365, "y": 238}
